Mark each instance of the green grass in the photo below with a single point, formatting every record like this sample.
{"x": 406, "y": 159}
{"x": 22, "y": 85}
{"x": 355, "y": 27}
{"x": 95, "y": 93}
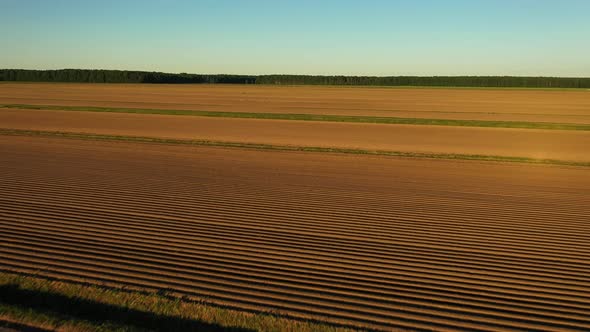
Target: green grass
{"x": 46, "y": 304}
{"x": 257, "y": 146}
{"x": 316, "y": 117}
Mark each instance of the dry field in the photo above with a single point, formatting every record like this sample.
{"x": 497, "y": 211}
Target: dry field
{"x": 561, "y": 106}
{"x": 385, "y": 242}
{"x": 551, "y": 144}
{"x": 368, "y": 241}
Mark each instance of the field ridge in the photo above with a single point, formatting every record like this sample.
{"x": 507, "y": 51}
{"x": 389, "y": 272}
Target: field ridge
{"x": 314, "y": 117}
{"x": 486, "y": 247}
{"x": 259, "y": 146}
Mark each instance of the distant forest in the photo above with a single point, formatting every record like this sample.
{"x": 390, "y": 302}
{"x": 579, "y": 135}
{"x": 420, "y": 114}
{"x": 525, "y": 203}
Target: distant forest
{"x": 117, "y": 76}
{"x": 123, "y": 76}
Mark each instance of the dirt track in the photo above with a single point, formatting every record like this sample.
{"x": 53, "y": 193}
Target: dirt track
{"x": 382, "y": 242}
{"x": 551, "y": 144}
{"x": 512, "y": 105}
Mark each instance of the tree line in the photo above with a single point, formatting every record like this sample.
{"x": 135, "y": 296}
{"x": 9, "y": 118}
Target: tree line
{"x": 117, "y": 76}
{"x": 451, "y": 81}
{"x": 124, "y": 76}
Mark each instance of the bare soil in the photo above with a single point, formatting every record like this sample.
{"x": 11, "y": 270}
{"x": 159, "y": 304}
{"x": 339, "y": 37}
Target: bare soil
{"x": 380, "y": 242}
{"x": 374, "y": 241}
{"x": 550, "y": 144}
{"x": 559, "y": 106}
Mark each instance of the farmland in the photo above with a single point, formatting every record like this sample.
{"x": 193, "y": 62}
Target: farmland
{"x": 369, "y": 225}
{"x": 559, "y": 106}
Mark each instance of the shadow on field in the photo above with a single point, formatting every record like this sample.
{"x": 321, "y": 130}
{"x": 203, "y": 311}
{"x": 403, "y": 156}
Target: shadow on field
{"x": 6, "y": 326}
{"x": 99, "y": 313}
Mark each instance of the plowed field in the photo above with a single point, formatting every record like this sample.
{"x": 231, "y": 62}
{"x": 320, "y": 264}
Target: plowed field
{"x": 374, "y": 241}
{"x": 531, "y": 143}
{"x": 559, "y": 106}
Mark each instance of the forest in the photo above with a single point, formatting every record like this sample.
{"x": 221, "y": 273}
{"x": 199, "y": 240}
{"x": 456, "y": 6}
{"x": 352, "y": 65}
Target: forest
{"x": 124, "y": 76}
{"x": 117, "y": 76}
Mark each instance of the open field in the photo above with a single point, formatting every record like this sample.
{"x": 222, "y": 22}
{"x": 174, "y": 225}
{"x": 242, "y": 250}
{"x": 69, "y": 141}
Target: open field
{"x": 390, "y": 230}
{"x": 557, "y": 106}
{"x": 380, "y": 242}
{"x": 311, "y": 117}
{"x": 269, "y": 147}
{"x": 540, "y": 144}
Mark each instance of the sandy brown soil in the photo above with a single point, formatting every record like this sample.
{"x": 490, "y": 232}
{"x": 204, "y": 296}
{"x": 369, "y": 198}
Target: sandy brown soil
{"x": 552, "y": 144}
{"x": 513, "y": 105}
{"x": 375, "y": 241}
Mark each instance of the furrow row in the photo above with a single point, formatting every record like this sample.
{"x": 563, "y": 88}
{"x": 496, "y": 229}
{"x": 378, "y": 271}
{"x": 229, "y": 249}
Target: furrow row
{"x": 564, "y": 292}
{"x": 255, "y": 221}
{"x": 277, "y": 297}
{"x": 343, "y": 248}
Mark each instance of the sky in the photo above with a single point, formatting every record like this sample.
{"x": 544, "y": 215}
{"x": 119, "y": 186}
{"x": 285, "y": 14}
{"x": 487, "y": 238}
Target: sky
{"x": 370, "y": 37}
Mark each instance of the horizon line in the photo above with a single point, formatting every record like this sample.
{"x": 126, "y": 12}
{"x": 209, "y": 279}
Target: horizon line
{"x": 287, "y": 74}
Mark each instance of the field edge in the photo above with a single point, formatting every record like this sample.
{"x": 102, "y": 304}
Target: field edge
{"x": 313, "y": 117}
{"x": 271, "y": 147}
{"x": 59, "y": 298}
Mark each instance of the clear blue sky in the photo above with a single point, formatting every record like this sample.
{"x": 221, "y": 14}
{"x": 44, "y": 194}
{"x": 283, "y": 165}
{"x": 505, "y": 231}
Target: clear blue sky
{"x": 389, "y": 37}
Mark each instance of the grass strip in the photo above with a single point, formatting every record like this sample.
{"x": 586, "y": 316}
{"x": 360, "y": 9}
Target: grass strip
{"x": 315, "y": 117}
{"x": 45, "y": 304}
{"x": 259, "y": 146}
